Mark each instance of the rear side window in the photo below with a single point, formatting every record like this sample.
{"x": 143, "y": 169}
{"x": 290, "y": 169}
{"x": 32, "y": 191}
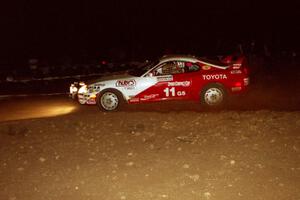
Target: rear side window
{"x": 191, "y": 67}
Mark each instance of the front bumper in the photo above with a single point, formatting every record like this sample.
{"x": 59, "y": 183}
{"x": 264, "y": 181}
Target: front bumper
{"x": 240, "y": 86}
{"x": 81, "y": 95}
{"x": 86, "y": 99}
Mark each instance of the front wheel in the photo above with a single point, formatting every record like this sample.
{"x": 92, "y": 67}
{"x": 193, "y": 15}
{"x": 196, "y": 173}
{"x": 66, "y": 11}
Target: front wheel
{"x": 109, "y": 100}
{"x": 213, "y": 96}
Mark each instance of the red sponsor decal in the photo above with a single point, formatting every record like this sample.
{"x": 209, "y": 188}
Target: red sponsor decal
{"x": 91, "y": 101}
{"x": 134, "y": 100}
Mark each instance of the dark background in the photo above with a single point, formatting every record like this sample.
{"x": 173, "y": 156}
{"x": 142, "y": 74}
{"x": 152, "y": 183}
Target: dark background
{"x": 132, "y": 30}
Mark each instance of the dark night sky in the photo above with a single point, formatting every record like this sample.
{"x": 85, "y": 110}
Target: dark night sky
{"x": 58, "y": 28}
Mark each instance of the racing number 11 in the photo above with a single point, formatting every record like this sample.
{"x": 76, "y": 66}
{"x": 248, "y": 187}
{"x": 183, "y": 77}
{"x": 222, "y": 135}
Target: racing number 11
{"x": 168, "y": 90}
{"x": 171, "y": 91}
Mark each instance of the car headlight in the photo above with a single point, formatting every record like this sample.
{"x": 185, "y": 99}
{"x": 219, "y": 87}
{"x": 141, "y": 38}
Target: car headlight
{"x": 73, "y": 88}
{"x": 83, "y": 89}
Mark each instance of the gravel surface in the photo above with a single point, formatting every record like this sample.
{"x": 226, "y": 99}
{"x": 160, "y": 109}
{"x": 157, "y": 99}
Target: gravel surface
{"x": 152, "y": 155}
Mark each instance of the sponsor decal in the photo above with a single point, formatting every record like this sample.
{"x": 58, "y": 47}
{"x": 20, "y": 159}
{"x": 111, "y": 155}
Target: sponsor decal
{"x": 164, "y": 78}
{"x": 91, "y": 101}
{"x": 182, "y": 83}
{"x": 236, "y": 71}
{"x": 128, "y": 84}
{"x": 236, "y": 65}
{"x": 134, "y": 100}
{"x": 206, "y": 67}
{"x": 150, "y": 96}
{"x": 214, "y": 77}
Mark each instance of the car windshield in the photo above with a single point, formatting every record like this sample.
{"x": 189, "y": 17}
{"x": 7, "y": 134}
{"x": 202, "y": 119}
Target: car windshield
{"x": 142, "y": 69}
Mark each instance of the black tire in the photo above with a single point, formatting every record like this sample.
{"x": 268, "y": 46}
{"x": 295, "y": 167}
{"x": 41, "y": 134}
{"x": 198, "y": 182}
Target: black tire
{"x": 213, "y": 96}
{"x": 110, "y": 100}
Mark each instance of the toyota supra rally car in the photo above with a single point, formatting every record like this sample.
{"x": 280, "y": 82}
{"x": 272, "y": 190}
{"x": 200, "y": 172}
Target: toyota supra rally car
{"x": 169, "y": 78}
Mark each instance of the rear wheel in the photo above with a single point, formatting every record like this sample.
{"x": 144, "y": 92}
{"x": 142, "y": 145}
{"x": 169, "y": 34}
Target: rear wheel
{"x": 213, "y": 96}
{"x": 110, "y": 100}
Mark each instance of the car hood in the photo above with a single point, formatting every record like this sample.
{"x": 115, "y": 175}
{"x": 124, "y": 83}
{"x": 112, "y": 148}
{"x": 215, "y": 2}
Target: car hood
{"x": 110, "y": 77}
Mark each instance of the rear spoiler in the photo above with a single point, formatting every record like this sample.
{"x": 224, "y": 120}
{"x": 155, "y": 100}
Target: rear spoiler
{"x": 237, "y": 63}
{"x": 214, "y": 63}
{"x": 234, "y": 61}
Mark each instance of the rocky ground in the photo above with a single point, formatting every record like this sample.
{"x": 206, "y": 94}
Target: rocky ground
{"x": 152, "y": 155}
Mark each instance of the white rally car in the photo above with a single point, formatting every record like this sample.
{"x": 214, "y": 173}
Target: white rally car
{"x": 169, "y": 78}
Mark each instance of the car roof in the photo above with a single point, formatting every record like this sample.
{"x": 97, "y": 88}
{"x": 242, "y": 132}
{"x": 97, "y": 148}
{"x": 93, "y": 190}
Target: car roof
{"x": 187, "y": 58}
{"x": 191, "y": 58}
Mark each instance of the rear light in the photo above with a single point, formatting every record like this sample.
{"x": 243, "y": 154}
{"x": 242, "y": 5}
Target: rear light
{"x": 237, "y": 84}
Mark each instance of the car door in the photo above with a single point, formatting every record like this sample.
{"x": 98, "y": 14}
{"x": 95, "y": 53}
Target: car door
{"x": 156, "y": 91}
{"x": 172, "y": 81}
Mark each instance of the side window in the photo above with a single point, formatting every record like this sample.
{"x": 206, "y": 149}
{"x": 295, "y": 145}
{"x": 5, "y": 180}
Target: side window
{"x": 191, "y": 67}
{"x": 169, "y": 68}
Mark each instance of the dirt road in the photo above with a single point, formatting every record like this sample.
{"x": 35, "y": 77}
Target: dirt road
{"x": 59, "y": 150}
{"x": 152, "y": 155}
